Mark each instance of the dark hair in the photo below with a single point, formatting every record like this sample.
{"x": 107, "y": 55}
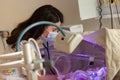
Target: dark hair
{"x": 43, "y": 13}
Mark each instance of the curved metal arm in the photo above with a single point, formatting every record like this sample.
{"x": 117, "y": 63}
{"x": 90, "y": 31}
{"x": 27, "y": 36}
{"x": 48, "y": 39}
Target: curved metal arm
{"x": 32, "y": 26}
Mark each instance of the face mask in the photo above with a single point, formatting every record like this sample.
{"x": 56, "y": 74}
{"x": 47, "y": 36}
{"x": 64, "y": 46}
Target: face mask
{"x": 51, "y": 36}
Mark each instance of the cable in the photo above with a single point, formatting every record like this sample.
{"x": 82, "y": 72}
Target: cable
{"x": 117, "y": 11}
{"x": 46, "y": 46}
{"x": 100, "y": 14}
{"x": 79, "y": 74}
{"x": 43, "y": 71}
{"x": 59, "y": 77}
{"x": 110, "y": 6}
{"x": 48, "y": 51}
{"x": 36, "y": 45}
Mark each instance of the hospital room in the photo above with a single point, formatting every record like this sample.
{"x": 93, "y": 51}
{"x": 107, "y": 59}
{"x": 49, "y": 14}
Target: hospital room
{"x": 59, "y": 39}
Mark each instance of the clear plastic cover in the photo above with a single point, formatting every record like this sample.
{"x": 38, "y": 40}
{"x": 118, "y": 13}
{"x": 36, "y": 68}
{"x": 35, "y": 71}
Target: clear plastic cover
{"x": 87, "y": 62}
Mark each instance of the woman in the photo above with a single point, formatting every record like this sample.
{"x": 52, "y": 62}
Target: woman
{"x": 43, "y": 13}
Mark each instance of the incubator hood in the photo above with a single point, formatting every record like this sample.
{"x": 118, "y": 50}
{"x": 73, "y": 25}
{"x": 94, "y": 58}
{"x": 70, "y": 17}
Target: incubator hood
{"x": 98, "y": 50}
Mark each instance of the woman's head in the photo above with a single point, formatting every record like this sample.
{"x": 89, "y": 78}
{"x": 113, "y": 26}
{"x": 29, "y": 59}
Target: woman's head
{"x": 46, "y": 13}
{"x": 43, "y": 13}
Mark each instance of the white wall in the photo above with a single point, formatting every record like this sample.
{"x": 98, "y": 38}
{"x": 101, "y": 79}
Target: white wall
{"x": 14, "y": 11}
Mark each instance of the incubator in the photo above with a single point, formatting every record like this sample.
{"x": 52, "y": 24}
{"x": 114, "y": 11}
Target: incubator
{"x": 87, "y": 62}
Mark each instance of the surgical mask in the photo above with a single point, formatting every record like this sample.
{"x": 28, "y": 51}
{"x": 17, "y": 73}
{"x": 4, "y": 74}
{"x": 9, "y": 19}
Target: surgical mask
{"x": 51, "y": 36}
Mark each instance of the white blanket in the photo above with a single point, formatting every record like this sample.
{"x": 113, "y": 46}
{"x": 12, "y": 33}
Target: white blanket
{"x": 110, "y": 40}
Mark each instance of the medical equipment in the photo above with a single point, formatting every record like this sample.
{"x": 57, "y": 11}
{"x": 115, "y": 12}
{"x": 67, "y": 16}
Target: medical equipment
{"x": 3, "y": 36}
{"x": 71, "y": 40}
